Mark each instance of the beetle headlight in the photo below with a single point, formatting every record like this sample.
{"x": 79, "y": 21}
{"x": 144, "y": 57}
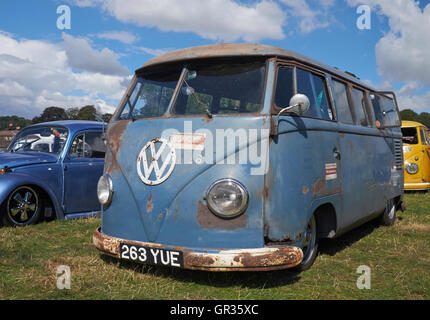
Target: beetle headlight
{"x": 105, "y": 189}
{"x": 412, "y": 168}
{"x": 227, "y": 198}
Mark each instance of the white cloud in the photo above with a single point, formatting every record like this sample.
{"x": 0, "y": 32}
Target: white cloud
{"x": 219, "y": 20}
{"x": 310, "y": 19}
{"x": 402, "y": 54}
{"x": 121, "y": 36}
{"x": 82, "y": 56}
{"x": 37, "y": 74}
{"x": 154, "y": 52}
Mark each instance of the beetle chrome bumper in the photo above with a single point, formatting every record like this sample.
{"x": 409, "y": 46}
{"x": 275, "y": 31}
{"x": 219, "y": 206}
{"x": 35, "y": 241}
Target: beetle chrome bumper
{"x": 261, "y": 259}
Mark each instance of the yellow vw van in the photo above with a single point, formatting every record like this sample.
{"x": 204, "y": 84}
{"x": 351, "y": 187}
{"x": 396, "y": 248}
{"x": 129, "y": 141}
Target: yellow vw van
{"x": 416, "y": 153}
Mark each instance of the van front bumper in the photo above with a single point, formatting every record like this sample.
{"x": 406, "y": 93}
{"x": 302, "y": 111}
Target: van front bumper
{"x": 417, "y": 186}
{"x": 260, "y": 259}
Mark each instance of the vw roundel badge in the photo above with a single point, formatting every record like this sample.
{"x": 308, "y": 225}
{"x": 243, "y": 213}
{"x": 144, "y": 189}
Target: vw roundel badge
{"x": 158, "y": 159}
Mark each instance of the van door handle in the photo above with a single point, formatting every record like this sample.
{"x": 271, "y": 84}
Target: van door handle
{"x": 336, "y": 154}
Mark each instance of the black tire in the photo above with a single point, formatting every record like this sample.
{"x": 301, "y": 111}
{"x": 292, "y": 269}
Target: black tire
{"x": 23, "y": 207}
{"x": 310, "y": 245}
{"x": 388, "y": 218}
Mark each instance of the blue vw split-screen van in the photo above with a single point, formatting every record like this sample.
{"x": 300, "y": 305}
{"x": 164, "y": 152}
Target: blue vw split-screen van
{"x": 237, "y": 157}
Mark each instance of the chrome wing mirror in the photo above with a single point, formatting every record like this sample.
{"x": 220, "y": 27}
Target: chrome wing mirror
{"x": 299, "y": 104}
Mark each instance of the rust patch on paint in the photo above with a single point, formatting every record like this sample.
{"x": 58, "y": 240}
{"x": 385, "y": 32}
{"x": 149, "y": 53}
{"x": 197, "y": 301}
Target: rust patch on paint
{"x": 200, "y": 260}
{"x": 305, "y": 190}
{"x": 114, "y": 134}
{"x": 268, "y": 184}
{"x": 319, "y": 187}
{"x": 207, "y": 220}
{"x": 149, "y": 205}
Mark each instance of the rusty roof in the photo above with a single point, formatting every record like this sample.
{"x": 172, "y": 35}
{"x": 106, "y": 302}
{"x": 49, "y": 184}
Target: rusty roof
{"x": 243, "y": 49}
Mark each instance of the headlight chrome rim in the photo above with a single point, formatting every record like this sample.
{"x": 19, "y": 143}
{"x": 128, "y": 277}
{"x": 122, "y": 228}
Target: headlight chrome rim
{"x": 108, "y": 181}
{"x": 241, "y": 209}
{"x": 412, "y": 168}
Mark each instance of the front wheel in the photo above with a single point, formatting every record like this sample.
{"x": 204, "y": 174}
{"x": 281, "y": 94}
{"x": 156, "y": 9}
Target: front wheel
{"x": 22, "y": 207}
{"x": 309, "y": 246}
{"x": 388, "y": 218}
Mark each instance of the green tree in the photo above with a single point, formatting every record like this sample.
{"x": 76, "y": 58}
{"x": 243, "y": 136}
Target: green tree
{"x": 87, "y": 113}
{"x": 408, "y": 115}
{"x": 51, "y": 114}
{"x": 106, "y": 117}
{"x": 15, "y": 120}
{"x": 72, "y": 113}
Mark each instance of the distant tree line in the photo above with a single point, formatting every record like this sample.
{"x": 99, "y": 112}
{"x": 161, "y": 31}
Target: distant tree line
{"x": 55, "y": 114}
{"x": 410, "y": 115}
{"x": 15, "y": 120}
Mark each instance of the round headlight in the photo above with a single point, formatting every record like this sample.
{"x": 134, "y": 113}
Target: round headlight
{"x": 412, "y": 168}
{"x": 105, "y": 190}
{"x": 227, "y": 198}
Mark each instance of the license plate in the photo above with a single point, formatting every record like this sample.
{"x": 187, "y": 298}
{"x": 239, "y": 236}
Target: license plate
{"x": 152, "y": 255}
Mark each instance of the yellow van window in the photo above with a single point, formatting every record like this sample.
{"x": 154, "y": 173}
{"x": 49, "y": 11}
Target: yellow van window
{"x": 410, "y": 135}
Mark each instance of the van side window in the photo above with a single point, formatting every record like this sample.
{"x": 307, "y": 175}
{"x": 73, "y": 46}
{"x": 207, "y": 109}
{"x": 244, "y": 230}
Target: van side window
{"x": 424, "y": 138}
{"x": 385, "y": 110}
{"x": 342, "y": 105}
{"x": 391, "y": 117}
{"x": 284, "y": 87}
{"x": 360, "y": 106}
{"x": 314, "y": 87}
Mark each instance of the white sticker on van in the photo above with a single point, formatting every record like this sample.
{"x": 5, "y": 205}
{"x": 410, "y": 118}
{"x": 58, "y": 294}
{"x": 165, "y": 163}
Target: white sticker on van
{"x": 331, "y": 171}
{"x": 188, "y": 141}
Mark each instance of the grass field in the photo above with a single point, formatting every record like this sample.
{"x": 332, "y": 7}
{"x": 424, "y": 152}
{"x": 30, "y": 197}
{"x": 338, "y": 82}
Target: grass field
{"x": 399, "y": 258}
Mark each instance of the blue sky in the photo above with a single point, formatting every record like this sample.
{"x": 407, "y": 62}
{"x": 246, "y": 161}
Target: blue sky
{"x": 91, "y": 63}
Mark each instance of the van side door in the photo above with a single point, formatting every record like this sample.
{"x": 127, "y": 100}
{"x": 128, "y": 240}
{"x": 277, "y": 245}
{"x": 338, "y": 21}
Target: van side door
{"x": 304, "y": 156}
{"x": 83, "y": 166}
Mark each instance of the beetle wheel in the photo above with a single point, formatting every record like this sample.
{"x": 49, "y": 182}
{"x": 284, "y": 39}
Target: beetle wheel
{"x": 23, "y": 207}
